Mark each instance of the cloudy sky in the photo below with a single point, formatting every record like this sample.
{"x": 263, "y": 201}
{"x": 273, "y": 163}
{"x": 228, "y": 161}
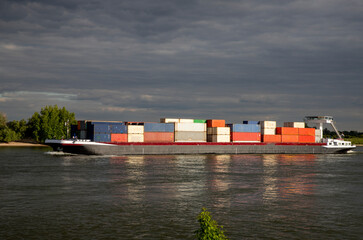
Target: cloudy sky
{"x": 140, "y": 60}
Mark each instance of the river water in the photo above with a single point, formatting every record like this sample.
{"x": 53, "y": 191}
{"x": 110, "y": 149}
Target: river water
{"x": 44, "y": 195}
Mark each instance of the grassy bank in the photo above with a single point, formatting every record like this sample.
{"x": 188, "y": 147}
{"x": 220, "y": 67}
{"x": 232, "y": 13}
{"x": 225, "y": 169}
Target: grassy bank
{"x": 355, "y": 140}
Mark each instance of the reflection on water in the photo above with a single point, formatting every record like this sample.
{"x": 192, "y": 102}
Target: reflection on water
{"x": 261, "y": 196}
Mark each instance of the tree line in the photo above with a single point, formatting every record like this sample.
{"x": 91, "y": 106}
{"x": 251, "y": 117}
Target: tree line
{"x": 50, "y": 123}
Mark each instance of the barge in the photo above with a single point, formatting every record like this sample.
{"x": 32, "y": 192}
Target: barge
{"x": 98, "y": 148}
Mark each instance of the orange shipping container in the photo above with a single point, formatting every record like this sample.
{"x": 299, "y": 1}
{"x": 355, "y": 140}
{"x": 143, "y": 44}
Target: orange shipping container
{"x": 216, "y": 123}
{"x": 307, "y": 139}
{"x": 290, "y": 138}
{"x": 307, "y": 131}
{"x": 118, "y": 137}
{"x": 245, "y": 137}
{"x": 287, "y": 131}
{"x": 271, "y": 138}
{"x": 158, "y": 137}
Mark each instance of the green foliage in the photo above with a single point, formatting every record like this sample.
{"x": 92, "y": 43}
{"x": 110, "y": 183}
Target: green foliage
{"x": 8, "y": 135}
{"x": 2, "y": 120}
{"x": 209, "y": 228}
{"x": 51, "y": 123}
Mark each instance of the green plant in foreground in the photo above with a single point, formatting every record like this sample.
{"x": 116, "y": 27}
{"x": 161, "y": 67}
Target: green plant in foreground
{"x": 209, "y": 228}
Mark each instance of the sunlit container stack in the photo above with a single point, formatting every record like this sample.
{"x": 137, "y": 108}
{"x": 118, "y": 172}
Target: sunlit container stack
{"x": 268, "y": 132}
{"x": 158, "y": 132}
{"x": 135, "y": 133}
{"x": 296, "y": 134}
{"x": 249, "y": 131}
{"x": 187, "y": 131}
{"x": 217, "y": 131}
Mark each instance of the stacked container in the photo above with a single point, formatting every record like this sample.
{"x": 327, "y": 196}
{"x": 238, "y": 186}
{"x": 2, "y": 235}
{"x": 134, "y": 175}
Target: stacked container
{"x": 249, "y": 131}
{"x": 307, "y": 135}
{"x": 135, "y": 133}
{"x": 288, "y": 134}
{"x": 218, "y": 134}
{"x": 294, "y": 124}
{"x": 190, "y": 132}
{"x": 159, "y": 132}
{"x": 268, "y": 132}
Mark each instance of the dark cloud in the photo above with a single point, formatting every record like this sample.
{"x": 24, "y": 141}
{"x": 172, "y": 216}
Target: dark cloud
{"x": 149, "y": 59}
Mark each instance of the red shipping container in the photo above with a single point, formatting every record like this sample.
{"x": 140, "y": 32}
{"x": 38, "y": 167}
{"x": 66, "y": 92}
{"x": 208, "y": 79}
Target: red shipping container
{"x": 287, "y": 131}
{"x": 290, "y": 138}
{"x": 245, "y": 137}
{"x": 158, "y": 137}
{"x": 307, "y": 139}
{"x": 307, "y": 131}
{"x": 118, "y": 137}
{"x": 216, "y": 123}
{"x": 271, "y": 138}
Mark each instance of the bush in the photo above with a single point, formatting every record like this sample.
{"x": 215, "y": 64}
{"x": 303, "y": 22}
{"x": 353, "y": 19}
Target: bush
{"x": 209, "y": 228}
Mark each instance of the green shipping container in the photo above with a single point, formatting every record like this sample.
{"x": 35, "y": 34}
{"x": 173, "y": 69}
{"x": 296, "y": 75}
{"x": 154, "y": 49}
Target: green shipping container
{"x": 200, "y": 121}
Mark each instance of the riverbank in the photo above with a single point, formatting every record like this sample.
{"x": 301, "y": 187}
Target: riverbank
{"x": 22, "y": 144}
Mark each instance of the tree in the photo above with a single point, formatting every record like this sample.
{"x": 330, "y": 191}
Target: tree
{"x": 209, "y": 228}
{"x": 50, "y": 123}
{"x": 7, "y": 134}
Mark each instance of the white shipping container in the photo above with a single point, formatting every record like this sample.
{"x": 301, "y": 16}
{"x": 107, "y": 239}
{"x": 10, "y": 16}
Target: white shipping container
{"x": 268, "y": 131}
{"x": 190, "y": 136}
{"x": 317, "y": 139}
{"x": 294, "y": 124}
{"x": 219, "y": 130}
{"x": 169, "y": 120}
{"x": 219, "y": 138}
{"x": 135, "y": 137}
{"x": 139, "y": 129}
{"x": 268, "y": 124}
{"x": 318, "y": 133}
{"x": 184, "y": 120}
{"x": 190, "y": 127}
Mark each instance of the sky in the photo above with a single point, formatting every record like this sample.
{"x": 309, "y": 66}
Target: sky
{"x": 142, "y": 60}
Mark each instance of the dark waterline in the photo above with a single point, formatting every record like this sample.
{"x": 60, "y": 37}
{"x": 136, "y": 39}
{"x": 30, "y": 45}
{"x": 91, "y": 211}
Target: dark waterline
{"x": 47, "y": 196}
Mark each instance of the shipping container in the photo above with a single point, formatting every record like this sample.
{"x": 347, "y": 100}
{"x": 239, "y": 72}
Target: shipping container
{"x": 186, "y": 120}
{"x": 169, "y": 120}
{"x": 306, "y": 139}
{"x": 216, "y": 123}
{"x": 290, "y": 138}
{"x": 318, "y": 133}
{"x": 317, "y": 139}
{"x": 287, "y": 131}
{"x": 118, "y": 137}
{"x": 307, "y": 131}
{"x": 190, "y": 136}
{"x": 118, "y": 128}
{"x": 218, "y": 138}
{"x": 268, "y": 131}
{"x": 190, "y": 127}
{"x": 218, "y": 130}
{"x": 268, "y": 124}
{"x": 159, "y": 137}
{"x": 138, "y": 129}
{"x": 251, "y": 122}
{"x": 159, "y": 127}
{"x": 245, "y": 137}
{"x": 83, "y": 134}
{"x": 294, "y": 124}
{"x": 102, "y": 137}
{"x": 135, "y": 137}
{"x": 254, "y": 128}
{"x": 200, "y": 121}
{"x": 101, "y": 127}
{"x": 271, "y": 138}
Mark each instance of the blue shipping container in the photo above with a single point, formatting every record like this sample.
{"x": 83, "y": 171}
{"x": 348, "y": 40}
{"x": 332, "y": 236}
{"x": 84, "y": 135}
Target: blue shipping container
{"x": 101, "y": 127}
{"x": 118, "y": 128}
{"x": 102, "y": 137}
{"x": 244, "y": 128}
{"x": 251, "y": 122}
{"x": 159, "y": 127}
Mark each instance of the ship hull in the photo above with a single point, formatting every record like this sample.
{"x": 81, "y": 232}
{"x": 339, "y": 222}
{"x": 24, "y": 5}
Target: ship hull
{"x": 93, "y": 148}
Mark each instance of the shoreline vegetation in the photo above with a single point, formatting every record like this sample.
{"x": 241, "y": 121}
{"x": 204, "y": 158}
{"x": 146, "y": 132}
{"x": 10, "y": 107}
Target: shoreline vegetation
{"x": 21, "y": 144}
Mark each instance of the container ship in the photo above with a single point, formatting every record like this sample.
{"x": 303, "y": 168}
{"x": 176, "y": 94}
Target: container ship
{"x": 199, "y": 136}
